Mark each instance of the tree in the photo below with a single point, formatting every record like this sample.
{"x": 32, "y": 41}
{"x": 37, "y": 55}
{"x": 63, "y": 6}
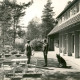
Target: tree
{"x": 17, "y": 12}
{"x": 33, "y": 30}
{"x": 5, "y": 19}
{"x": 20, "y": 32}
{"x": 47, "y": 19}
{"x": 10, "y": 13}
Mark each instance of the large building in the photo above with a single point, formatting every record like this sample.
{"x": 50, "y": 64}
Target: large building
{"x": 65, "y": 36}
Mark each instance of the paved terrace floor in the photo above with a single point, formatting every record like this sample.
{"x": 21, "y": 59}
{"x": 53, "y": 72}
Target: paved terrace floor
{"x": 71, "y": 61}
{"x": 52, "y": 60}
{"x": 52, "y": 72}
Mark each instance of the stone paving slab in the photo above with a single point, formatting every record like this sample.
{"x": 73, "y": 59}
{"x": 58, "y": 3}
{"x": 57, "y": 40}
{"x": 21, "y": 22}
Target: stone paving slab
{"x": 52, "y": 72}
{"x": 71, "y": 61}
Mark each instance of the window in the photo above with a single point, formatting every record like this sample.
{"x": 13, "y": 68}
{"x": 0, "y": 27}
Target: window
{"x": 64, "y": 16}
{"x": 79, "y": 5}
{"x": 60, "y": 20}
{"x": 71, "y": 11}
{"x": 74, "y": 9}
{"x": 67, "y": 14}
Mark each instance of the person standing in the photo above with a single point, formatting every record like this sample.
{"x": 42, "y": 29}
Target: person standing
{"x": 45, "y": 51}
{"x": 28, "y": 51}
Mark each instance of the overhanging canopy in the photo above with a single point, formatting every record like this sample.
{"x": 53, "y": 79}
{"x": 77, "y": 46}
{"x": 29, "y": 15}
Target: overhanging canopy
{"x": 74, "y": 19}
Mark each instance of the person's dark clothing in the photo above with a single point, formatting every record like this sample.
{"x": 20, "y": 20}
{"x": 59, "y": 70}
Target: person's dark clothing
{"x": 28, "y": 53}
{"x": 45, "y": 52}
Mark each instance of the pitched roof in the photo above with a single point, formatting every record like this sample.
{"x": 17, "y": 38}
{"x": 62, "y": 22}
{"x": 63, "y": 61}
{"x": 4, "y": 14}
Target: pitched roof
{"x": 67, "y": 7}
{"x": 74, "y": 19}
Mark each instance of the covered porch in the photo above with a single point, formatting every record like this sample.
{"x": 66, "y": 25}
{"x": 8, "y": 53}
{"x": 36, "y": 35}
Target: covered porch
{"x": 68, "y": 36}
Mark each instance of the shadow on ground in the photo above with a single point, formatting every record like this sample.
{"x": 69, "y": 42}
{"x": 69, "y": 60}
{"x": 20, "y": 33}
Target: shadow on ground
{"x": 40, "y": 62}
{"x": 61, "y": 76}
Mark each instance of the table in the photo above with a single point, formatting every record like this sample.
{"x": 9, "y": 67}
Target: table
{"x": 15, "y": 60}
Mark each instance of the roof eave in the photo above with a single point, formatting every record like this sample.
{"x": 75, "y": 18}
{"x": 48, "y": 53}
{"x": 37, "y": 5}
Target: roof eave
{"x": 66, "y": 8}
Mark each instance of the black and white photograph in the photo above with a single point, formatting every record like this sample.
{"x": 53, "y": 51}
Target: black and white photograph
{"x": 39, "y": 39}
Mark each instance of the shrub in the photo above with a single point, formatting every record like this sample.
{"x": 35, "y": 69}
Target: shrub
{"x": 36, "y": 44}
{"x": 20, "y": 47}
{"x": 14, "y": 52}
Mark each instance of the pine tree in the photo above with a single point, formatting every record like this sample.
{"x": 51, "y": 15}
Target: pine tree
{"x": 10, "y": 13}
{"x": 33, "y": 31}
{"x": 47, "y": 19}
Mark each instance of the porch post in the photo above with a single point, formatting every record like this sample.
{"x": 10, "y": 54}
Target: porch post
{"x": 63, "y": 44}
{"x": 72, "y": 43}
{"x": 69, "y": 45}
{"x": 76, "y": 48}
{"x": 60, "y": 43}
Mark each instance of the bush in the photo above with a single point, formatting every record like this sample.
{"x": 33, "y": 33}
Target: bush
{"x": 14, "y": 52}
{"x": 20, "y": 47}
{"x": 36, "y": 44}
{"x": 6, "y": 49}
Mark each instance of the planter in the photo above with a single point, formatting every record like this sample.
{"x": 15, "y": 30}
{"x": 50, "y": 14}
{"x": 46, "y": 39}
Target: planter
{"x": 7, "y": 55}
{"x": 9, "y": 75}
{"x": 22, "y": 64}
{"x": 18, "y": 71}
{"x": 18, "y": 55}
{"x": 7, "y": 62}
{"x": 14, "y": 52}
{"x": 16, "y": 78}
{"x": 21, "y": 53}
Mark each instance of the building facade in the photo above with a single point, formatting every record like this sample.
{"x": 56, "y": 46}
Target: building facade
{"x": 65, "y": 35}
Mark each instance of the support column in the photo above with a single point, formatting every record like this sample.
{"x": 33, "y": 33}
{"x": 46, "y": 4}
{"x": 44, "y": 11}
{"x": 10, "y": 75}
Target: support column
{"x": 69, "y": 45}
{"x": 72, "y": 43}
{"x": 79, "y": 44}
{"x": 63, "y": 44}
{"x": 60, "y": 43}
{"x": 76, "y": 48}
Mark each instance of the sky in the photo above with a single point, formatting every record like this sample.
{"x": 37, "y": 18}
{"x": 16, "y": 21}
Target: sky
{"x": 35, "y": 10}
